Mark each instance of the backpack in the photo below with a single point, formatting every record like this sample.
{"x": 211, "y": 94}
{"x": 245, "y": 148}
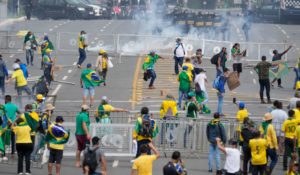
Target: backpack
{"x": 41, "y": 87}
{"x": 147, "y": 128}
{"x": 90, "y": 160}
{"x": 214, "y": 59}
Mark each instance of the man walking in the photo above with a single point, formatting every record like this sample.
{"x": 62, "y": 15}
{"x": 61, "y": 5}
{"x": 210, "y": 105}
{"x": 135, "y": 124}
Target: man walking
{"x": 3, "y": 75}
{"x": 220, "y": 86}
{"x": 184, "y": 85}
{"x": 30, "y": 45}
{"x": 215, "y": 130}
{"x": 82, "y": 131}
{"x": 82, "y": 44}
{"x": 179, "y": 53}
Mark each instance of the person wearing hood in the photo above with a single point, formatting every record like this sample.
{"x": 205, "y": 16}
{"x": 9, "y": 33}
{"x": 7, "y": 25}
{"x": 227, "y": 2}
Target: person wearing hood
{"x": 179, "y": 53}
{"x": 215, "y": 130}
{"x": 184, "y": 85}
{"x": 268, "y": 132}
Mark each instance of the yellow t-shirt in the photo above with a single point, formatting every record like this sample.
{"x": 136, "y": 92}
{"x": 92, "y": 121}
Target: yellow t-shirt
{"x": 81, "y": 42}
{"x": 297, "y": 114}
{"x": 166, "y": 106}
{"x": 297, "y": 135}
{"x": 20, "y": 79}
{"x": 289, "y": 127}
{"x": 258, "y": 151}
{"x": 143, "y": 164}
{"x": 190, "y": 68}
{"x": 241, "y": 115}
{"x": 22, "y": 134}
{"x": 108, "y": 107}
{"x": 104, "y": 63}
{"x": 289, "y": 173}
{"x": 270, "y": 136}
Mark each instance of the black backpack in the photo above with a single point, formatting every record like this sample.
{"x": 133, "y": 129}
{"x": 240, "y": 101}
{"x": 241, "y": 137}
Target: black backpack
{"x": 214, "y": 59}
{"x": 146, "y": 129}
{"x": 90, "y": 160}
{"x": 41, "y": 87}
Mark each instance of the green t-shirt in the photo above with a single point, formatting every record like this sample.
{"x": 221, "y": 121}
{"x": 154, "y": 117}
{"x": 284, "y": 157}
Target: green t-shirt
{"x": 11, "y": 110}
{"x": 150, "y": 61}
{"x": 192, "y": 110}
{"x": 87, "y": 82}
{"x": 82, "y": 117}
{"x": 184, "y": 82}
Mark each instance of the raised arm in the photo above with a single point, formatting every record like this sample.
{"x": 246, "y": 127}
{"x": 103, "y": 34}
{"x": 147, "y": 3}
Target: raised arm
{"x": 286, "y": 50}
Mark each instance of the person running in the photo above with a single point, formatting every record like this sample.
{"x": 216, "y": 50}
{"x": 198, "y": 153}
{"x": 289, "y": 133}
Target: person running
{"x": 268, "y": 132}
{"x": 46, "y": 44}
{"x": 143, "y": 164}
{"x": 215, "y": 130}
{"x": 3, "y": 75}
{"x": 278, "y": 57}
{"x": 258, "y": 147}
{"x": 24, "y": 144}
{"x": 102, "y": 64}
{"x": 236, "y": 55}
{"x": 144, "y": 131}
{"x": 82, "y": 131}
{"x": 201, "y": 79}
{"x": 175, "y": 166}
{"x": 104, "y": 110}
{"x": 233, "y": 156}
{"x": 262, "y": 69}
{"x": 48, "y": 64}
{"x": 289, "y": 128}
{"x": 185, "y": 80}
{"x": 11, "y": 111}
{"x": 29, "y": 45}
{"x": 94, "y": 149}
{"x": 88, "y": 80}
{"x": 23, "y": 67}
{"x": 56, "y": 137}
{"x": 148, "y": 67}
{"x": 168, "y": 112}
{"x": 82, "y": 44}
{"x": 179, "y": 53}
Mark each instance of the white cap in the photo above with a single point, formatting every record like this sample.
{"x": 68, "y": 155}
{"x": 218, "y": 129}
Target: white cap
{"x": 16, "y": 66}
{"x": 104, "y": 98}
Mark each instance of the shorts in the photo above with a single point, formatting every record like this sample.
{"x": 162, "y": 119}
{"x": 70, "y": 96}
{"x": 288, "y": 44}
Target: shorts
{"x": 81, "y": 142}
{"x": 89, "y": 91}
{"x": 55, "y": 156}
{"x": 237, "y": 67}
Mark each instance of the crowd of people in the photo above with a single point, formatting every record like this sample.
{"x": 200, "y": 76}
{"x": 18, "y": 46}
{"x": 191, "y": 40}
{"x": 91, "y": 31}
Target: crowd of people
{"x": 34, "y": 131}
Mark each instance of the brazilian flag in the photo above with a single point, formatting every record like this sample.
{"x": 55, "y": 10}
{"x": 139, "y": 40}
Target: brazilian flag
{"x": 57, "y": 134}
{"x": 279, "y": 71}
{"x": 93, "y": 78}
{"x": 32, "y": 119}
{"x": 3, "y": 129}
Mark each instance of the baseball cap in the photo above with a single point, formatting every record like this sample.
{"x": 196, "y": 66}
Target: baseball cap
{"x": 102, "y": 51}
{"x": 39, "y": 97}
{"x": 241, "y": 105}
{"x": 16, "y": 66}
{"x": 184, "y": 68}
{"x": 89, "y": 65}
{"x": 104, "y": 98}
{"x": 59, "y": 119}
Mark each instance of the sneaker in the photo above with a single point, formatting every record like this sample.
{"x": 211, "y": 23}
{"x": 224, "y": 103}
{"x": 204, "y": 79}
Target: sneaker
{"x": 28, "y": 173}
{"x": 269, "y": 102}
{"x": 4, "y": 158}
{"x": 78, "y": 66}
{"x": 263, "y": 102}
{"x": 210, "y": 171}
{"x": 20, "y": 173}
{"x": 272, "y": 85}
{"x": 279, "y": 86}
{"x": 151, "y": 87}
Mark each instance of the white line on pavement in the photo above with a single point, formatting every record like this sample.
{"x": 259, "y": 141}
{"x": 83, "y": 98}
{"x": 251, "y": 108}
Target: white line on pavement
{"x": 251, "y": 72}
{"x": 75, "y": 63}
{"x": 115, "y": 163}
{"x": 65, "y": 77}
{"x": 104, "y": 27}
{"x": 55, "y": 26}
{"x": 69, "y": 71}
{"x": 50, "y": 29}
{"x": 92, "y": 42}
{"x": 95, "y": 38}
{"x": 238, "y": 30}
{"x": 54, "y": 92}
{"x": 101, "y": 30}
{"x": 12, "y": 55}
{"x": 298, "y": 48}
{"x": 254, "y": 81}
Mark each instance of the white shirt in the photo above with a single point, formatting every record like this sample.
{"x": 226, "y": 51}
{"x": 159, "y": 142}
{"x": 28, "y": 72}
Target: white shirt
{"x": 180, "y": 51}
{"x": 293, "y": 102}
{"x": 279, "y": 116}
{"x": 200, "y": 79}
{"x": 233, "y": 160}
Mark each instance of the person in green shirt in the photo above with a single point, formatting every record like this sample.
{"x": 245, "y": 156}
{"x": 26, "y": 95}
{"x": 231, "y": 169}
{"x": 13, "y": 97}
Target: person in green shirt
{"x": 184, "y": 85}
{"x": 11, "y": 111}
{"x": 148, "y": 67}
{"x": 82, "y": 131}
{"x": 191, "y": 113}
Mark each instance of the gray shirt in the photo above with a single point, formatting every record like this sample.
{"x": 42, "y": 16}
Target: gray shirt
{"x": 99, "y": 154}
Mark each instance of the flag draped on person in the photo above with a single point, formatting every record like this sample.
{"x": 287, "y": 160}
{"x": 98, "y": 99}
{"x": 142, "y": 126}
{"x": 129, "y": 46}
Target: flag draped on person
{"x": 32, "y": 119}
{"x": 93, "y": 78}
{"x": 279, "y": 71}
{"x": 57, "y": 134}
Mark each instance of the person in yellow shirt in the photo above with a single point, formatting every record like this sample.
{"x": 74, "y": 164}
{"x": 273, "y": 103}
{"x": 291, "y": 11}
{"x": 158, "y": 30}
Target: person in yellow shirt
{"x": 297, "y": 110}
{"x": 21, "y": 82}
{"x": 23, "y": 144}
{"x": 258, "y": 147}
{"x": 102, "y": 64}
{"x": 82, "y": 44}
{"x": 190, "y": 70}
{"x": 168, "y": 111}
{"x": 56, "y": 137}
{"x": 268, "y": 132}
{"x": 297, "y": 142}
{"x": 240, "y": 116}
{"x": 289, "y": 128}
{"x": 143, "y": 164}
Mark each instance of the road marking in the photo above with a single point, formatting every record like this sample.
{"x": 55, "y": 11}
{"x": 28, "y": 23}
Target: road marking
{"x": 65, "y": 77}
{"x": 134, "y": 82}
{"x": 54, "y": 92}
{"x": 12, "y": 55}
{"x": 95, "y": 38}
{"x": 101, "y": 30}
{"x": 251, "y": 72}
{"x": 254, "y": 81}
{"x": 60, "y": 24}
{"x": 50, "y": 29}
{"x": 298, "y": 48}
{"x": 55, "y": 26}
{"x": 238, "y": 30}
{"x": 115, "y": 163}
{"x": 104, "y": 27}
{"x": 92, "y": 42}
{"x": 75, "y": 63}
{"x": 69, "y": 71}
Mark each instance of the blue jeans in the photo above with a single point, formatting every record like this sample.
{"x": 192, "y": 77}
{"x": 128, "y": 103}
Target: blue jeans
{"x": 273, "y": 155}
{"x": 2, "y": 85}
{"x": 187, "y": 132}
{"x": 297, "y": 73}
{"x": 214, "y": 152}
{"x": 219, "y": 72}
{"x": 153, "y": 77}
{"x": 178, "y": 61}
{"x": 82, "y": 56}
{"x": 38, "y": 145}
{"x": 220, "y": 102}
{"x": 29, "y": 56}
{"x": 182, "y": 95}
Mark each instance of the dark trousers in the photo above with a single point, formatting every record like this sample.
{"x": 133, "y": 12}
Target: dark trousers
{"x": 272, "y": 154}
{"x": 186, "y": 137}
{"x": 47, "y": 74}
{"x": 247, "y": 157}
{"x": 82, "y": 56}
{"x": 24, "y": 150}
{"x": 142, "y": 142}
{"x": 264, "y": 84}
{"x": 12, "y": 142}
{"x": 178, "y": 61}
{"x": 278, "y": 81}
{"x": 153, "y": 77}
{"x": 104, "y": 73}
{"x": 2, "y": 85}
{"x": 288, "y": 149}
{"x": 258, "y": 169}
